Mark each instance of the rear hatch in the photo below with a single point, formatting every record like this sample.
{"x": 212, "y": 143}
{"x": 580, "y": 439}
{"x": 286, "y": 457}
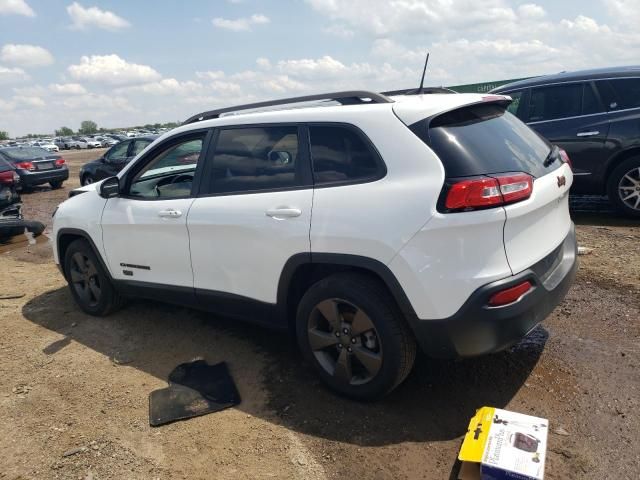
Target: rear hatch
{"x": 487, "y": 150}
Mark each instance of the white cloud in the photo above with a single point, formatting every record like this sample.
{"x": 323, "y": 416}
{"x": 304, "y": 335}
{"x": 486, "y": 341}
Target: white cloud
{"x": 26, "y": 55}
{"x": 211, "y": 75}
{"x": 12, "y": 75}
{"x": 383, "y": 17}
{"x": 339, "y": 31}
{"x": 531, "y": 10}
{"x": 626, "y": 12}
{"x": 240, "y": 24}
{"x": 166, "y": 86}
{"x": 29, "y": 102}
{"x": 112, "y": 70}
{"x": 312, "y": 68}
{"x": 263, "y": 63}
{"x": 67, "y": 89}
{"x": 16, "y": 7}
{"x": 83, "y": 18}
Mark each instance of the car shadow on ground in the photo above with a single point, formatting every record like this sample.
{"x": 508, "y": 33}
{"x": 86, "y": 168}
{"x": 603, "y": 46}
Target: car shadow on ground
{"x": 598, "y": 211}
{"x": 433, "y": 404}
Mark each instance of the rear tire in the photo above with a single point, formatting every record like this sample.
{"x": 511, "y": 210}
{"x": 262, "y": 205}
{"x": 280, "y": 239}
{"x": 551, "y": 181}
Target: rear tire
{"x": 623, "y": 187}
{"x": 366, "y": 349}
{"x": 56, "y": 185}
{"x": 89, "y": 283}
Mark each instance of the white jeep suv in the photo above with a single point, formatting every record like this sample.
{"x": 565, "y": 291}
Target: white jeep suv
{"x": 364, "y": 223}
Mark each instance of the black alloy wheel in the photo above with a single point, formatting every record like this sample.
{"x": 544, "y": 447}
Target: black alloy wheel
{"x": 345, "y": 341}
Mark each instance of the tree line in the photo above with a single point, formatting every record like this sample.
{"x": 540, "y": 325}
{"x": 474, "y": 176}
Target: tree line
{"x": 89, "y": 127}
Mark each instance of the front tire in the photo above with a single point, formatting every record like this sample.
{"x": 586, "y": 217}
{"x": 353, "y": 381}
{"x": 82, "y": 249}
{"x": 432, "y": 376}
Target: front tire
{"x": 351, "y": 331}
{"x": 623, "y": 187}
{"x": 89, "y": 283}
{"x": 87, "y": 180}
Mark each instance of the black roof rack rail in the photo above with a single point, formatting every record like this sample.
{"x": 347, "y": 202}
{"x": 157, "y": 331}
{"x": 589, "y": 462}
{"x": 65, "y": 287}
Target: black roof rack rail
{"x": 354, "y": 97}
{"x": 416, "y": 91}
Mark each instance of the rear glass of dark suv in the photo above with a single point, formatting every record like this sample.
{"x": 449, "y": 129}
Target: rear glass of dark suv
{"x": 483, "y": 139}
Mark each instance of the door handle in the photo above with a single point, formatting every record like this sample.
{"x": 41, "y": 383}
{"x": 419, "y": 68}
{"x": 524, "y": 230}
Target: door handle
{"x": 169, "y": 213}
{"x": 284, "y": 212}
{"x": 588, "y": 134}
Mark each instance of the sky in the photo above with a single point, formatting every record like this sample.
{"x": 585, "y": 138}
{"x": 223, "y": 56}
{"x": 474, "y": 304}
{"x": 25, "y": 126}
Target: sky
{"x": 124, "y": 63}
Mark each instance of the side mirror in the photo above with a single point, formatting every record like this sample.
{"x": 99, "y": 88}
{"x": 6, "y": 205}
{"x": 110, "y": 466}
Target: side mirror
{"x": 110, "y": 187}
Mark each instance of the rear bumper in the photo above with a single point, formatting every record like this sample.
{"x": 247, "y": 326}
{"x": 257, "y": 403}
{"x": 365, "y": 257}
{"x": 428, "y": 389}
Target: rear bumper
{"x": 477, "y": 329}
{"x": 38, "y": 178}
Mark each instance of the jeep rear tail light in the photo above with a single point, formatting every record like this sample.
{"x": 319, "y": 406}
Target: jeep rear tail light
{"x": 509, "y": 295}
{"x": 565, "y": 158}
{"x": 486, "y": 192}
{"x": 26, "y": 166}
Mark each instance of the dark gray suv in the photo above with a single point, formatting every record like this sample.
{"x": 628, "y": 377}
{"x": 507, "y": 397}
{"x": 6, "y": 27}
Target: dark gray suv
{"x": 595, "y": 116}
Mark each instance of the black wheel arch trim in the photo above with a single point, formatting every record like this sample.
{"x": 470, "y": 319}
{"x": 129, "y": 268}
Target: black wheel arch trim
{"x": 76, "y": 232}
{"x": 344, "y": 260}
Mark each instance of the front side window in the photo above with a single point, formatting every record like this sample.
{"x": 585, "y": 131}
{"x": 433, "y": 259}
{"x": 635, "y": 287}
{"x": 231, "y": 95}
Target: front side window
{"x": 514, "y": 106}
{"x": 251, "y": 159}
{"x": 139, "y": 146}
{"x": 118, "y": 152}
{"x": 339, "y": 154}
{"x": 170, "y": 172}
{"x": 556, "y": 101}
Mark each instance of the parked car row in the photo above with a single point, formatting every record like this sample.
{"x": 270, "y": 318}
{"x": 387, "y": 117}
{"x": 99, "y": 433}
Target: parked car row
{"x": 595, "y": 116}
{"x": 75, "y": 142}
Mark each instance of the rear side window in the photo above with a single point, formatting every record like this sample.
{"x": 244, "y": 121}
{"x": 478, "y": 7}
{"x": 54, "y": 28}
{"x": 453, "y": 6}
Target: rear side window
{"x": 341, "y": 154}
{"x": 483, "y": 139}
{"x": 251, "y": 159}
{"x": 620, "y": 94}
{"x": 557, "y": 101}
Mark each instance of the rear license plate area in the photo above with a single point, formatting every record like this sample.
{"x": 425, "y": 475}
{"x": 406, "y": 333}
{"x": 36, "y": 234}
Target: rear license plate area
{"x": 44, "y": 165}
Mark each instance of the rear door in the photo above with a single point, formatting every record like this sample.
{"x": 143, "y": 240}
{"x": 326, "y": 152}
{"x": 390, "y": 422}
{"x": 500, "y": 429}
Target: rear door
{"x": 571, "y": 116}
{"x": 253, "y": 213}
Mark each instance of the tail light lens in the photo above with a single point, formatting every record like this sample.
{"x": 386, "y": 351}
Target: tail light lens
{"x": 509, "y": 295}
{"x": 565, "y": 158}
{"x": 7, "y": 178}
{"x": 26, "y": 166}
{"x": 485, "y": 192}
{"x": 59, "y": 162}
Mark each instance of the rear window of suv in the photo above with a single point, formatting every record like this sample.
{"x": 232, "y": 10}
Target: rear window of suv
{"x": 483, "y": 139}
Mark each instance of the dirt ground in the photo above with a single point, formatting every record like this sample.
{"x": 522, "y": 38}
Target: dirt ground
{"x": 74, "y": 389}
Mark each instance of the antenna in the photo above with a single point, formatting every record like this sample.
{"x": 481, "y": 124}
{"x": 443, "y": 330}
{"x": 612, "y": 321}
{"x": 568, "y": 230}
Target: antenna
{"x": 424, "y": 71}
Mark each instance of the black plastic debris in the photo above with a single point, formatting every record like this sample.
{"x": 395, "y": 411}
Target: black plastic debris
{"x": 195, "y": 389}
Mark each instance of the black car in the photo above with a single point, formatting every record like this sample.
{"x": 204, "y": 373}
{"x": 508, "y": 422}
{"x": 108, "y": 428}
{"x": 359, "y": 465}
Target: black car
{"x": 9, "y": 182}
{"x": 36, "y": 166}
{"x": 595, "y": 116}
{"x": 113, "y": 160}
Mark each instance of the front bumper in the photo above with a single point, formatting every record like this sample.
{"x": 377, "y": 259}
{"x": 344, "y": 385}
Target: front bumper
{"x": 38, "y": 178}
{"x": 477, "y": 329}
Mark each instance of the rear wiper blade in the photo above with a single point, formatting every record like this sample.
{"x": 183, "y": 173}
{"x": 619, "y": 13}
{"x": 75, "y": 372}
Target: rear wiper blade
{"x": 552, "y": 157}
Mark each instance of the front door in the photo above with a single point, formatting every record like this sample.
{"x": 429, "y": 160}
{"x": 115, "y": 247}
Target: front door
{"x": 144, "y": 229}
{"x": 253, "y": 214}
